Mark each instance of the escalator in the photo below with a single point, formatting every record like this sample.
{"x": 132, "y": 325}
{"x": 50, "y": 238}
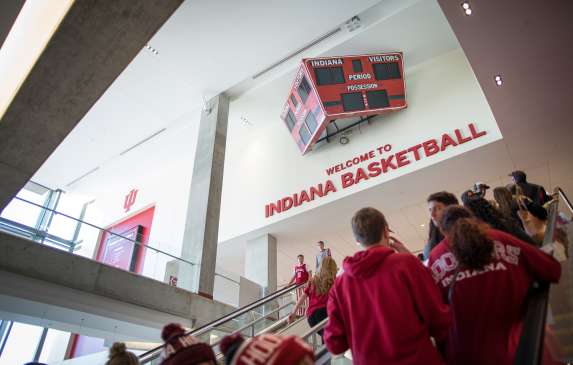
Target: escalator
{"x": 266, "y": 315}
{"x": 547, "y": 330}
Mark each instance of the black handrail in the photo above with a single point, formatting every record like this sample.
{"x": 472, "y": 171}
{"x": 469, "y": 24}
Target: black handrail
{"x": 530, "y": 348}
{"x": 155, "y": 352}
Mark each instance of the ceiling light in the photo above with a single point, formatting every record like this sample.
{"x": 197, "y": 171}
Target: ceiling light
{"x": 467, "y": 8}
{"x": 498, "y": 80}
{"x": 422, "y": 225}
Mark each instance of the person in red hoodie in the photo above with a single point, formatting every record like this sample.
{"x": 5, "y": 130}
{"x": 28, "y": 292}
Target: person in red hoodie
{"x": 385, "y": 306}
{"x": 485, "y": 275}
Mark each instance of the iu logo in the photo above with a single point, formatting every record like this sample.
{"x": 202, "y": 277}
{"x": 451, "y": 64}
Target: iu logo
{"x": 130, "y": 200}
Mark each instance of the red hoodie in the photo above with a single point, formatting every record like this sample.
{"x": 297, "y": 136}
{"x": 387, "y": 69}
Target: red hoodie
{"x": 385, "y": 307}
{"x": 488, "y": 305}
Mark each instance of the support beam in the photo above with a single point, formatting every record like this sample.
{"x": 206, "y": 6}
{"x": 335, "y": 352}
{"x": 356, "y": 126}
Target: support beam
{"x": 202, "y": 223}
{"x": 94, "y": 43}
{"x": 261, "y": 262}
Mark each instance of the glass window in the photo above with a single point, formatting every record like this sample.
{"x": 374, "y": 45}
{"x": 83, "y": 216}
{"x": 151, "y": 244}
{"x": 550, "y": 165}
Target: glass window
{"x": 329, "y": 75}
{"x": 55, "y": 346}
{"x": 304, "y": 135}
{"x": 311, "y": 123}
{"x": 377, "y": 99}
{"x": 22, "y": 344}
{"x": 290, "y": 120}
{"x": 357, "y": 65}
{"x": 303, "y": 90}
{"x": 386, "y": 71}
{"x": 293, "y": 100}
{"x": 352, "y": 102}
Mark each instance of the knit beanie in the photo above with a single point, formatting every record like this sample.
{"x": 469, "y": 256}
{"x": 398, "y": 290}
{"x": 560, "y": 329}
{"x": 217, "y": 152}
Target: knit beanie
{"x": 265, "y": 349}
{"x": 181, "y": 349}
{"x": 118, "y": 355}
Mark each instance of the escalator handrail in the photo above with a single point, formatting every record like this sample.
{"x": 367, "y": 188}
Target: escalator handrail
{"x": 251, "y": 324}
{"x": 563, "y": 196}
{"x": 530, "y": 348}
{"x": 153, "y": 353}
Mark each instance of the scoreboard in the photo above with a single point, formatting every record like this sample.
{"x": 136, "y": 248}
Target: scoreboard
{"x": 330, "y": 88}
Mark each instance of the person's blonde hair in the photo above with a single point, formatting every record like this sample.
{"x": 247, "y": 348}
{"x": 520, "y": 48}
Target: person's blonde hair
{"x": 118, "y": 355}
{"x": 324, "y": 279}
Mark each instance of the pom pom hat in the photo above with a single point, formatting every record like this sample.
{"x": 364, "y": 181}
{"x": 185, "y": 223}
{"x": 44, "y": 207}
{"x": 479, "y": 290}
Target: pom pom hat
{"x": 181, "y": 349}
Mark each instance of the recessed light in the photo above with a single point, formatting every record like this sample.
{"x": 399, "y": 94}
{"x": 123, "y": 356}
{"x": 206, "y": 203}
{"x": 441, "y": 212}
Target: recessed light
{"x": 422, "y": 225}
{"x": 467, "y": 8}
{"x": 498, "y": 80}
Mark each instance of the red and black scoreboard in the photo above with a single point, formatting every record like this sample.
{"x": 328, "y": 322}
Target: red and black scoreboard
{"x": 331, "y": 88}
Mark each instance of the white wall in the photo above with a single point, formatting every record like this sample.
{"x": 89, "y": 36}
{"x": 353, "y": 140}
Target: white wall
{"x": 263, "y": 163}
{"x": 161, "y": 171}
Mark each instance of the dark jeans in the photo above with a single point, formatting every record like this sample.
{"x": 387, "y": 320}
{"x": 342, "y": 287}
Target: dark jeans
{"x": 316, "y": 317}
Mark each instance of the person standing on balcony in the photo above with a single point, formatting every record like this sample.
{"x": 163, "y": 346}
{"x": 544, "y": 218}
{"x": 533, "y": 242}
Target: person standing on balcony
{"x": 301, "y": 276}
{"x": 322, "y": 253}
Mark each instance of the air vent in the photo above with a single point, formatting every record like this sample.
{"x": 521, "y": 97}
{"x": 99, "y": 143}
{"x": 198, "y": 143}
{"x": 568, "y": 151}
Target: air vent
{"x": 298, "y": 51}
{"x": 143, "y": 141}
{"x": 81, "y": 177}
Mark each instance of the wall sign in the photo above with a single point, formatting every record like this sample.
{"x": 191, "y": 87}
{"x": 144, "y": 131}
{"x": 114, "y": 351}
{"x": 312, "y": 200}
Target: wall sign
{"x": 130, "y": 199}
{"x": 369, "y": 165}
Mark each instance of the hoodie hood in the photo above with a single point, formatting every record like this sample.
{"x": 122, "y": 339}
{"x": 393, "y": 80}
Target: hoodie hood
{"x": 365, "y": 263}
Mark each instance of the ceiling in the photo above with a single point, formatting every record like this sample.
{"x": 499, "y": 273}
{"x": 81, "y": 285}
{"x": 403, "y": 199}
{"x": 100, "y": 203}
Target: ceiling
{"x": 209, "y": 47}
{"x": 205, "y": 48}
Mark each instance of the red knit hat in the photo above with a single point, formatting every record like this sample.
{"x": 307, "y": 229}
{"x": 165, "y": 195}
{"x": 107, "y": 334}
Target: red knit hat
{"x": 181, "y": 349}
{"x": 271, "y": 350}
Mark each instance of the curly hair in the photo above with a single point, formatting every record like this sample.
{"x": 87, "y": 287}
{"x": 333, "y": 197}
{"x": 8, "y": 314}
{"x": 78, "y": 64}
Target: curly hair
{"x": 468, "y": 237}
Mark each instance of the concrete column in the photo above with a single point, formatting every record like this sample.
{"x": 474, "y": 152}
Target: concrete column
{"x": 261, "y": 262}
{"x": 202, "y": 223}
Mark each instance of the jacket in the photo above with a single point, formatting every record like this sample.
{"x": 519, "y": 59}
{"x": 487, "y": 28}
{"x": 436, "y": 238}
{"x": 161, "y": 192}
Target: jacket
{"x": 385, "y": 307}
{"x": 488, "y": 305}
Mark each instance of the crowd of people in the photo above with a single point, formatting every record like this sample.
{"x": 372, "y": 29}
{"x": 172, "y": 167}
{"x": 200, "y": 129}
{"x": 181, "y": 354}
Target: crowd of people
{"x": 461, "y": 301}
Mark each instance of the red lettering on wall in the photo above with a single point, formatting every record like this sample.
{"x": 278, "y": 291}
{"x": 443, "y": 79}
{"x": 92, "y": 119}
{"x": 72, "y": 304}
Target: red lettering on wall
{"x": 447, "y": 141}
{"x": 475, "y": 133}
{"x": 387, "y": 163}
{"x": 416, "y": 151}
{"x": 360, "y": 175}
{"x": 374, "y": 169}
{"x": 431, "y": 147}
{"x": 347, "y": 180}
{"x": 402, "y": 159}
{"x": 329, "y": 188}
{"x": 461, "y": 138}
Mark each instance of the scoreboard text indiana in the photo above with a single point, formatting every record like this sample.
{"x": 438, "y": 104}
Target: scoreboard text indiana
{"x": 330, "y": 88}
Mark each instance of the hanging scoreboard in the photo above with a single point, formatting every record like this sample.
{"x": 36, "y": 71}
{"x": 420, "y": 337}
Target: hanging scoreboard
{"x": 330, "y": 88}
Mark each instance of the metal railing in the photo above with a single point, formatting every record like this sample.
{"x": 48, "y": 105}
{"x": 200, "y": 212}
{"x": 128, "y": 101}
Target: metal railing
{"x": 531, "y": 344}
{"x": 156, "y": 352}
{"x": 43, "y": 236}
